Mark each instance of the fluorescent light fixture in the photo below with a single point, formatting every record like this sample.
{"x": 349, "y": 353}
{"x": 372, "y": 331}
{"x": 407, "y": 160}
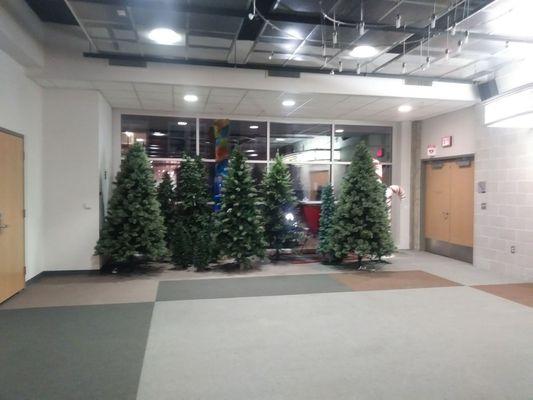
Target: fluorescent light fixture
{"x": 511, "y": 111}
{"x": 154, "y": 146}
{"x": 254, "y": 155}
{"x": 128, "y": 133}
{"x": 288, "y": 103}
{"x": 164, "y": 36}
{"x": 254, "y": 126}
{"x": 158, "y": 134}
{"x": 278, "y": 139}
{"x": 139, "y": 140}
{"x": 190, "y": 98}
{"x": 405, "y": 108}
{"x": 182, "y": 123}
{"x": 364, "y": 51}
{"x": 250, "y": 151}
{"x": 293, "y": 33}
{"x": 339, "y": 130}
{"x": 121, "y": 12}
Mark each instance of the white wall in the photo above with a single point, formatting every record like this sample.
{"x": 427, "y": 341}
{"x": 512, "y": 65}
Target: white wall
{"x": 462, "y": 125}
{"x": 21, "y": 111}
{"x": 75, "y": 122}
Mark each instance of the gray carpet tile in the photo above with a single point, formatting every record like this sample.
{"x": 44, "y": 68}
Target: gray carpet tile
{"x": 80, "y": 352}
{"x": 248, "y": 287}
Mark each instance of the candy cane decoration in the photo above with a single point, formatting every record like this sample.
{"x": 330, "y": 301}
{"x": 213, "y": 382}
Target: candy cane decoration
{"x": 391, "y": 190}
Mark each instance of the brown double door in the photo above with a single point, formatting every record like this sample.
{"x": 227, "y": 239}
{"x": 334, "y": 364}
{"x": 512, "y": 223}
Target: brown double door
{"x": 11, "y": 215}
{"x": 449, "y": 208}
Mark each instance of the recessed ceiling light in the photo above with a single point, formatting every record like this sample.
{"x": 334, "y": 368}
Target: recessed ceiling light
{"x": 158, "y": 134}
{"x": 154, "y": 146}
{"x": 288, "y": 103}
{"x": 164, "y": 36}
{"x": 339, "y": 130}
{"x": 191, "y": 98}
{"x": 121, "y": 12}
{"x": 364, "y": 52}
{"x": 293, "y": 33}
{"x": 139, "y": 140}
{"x": 253, "y": 155}
{"x": 278, "y": 139}
{"x": 405, "y": 108}
{"x": 254, "y": 126}
{"x": 250, "y": 151}
{"x": 182, "y": 123}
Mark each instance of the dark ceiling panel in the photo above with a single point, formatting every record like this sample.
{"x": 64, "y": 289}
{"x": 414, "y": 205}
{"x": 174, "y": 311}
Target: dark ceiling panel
{"x": 52, "y": 11}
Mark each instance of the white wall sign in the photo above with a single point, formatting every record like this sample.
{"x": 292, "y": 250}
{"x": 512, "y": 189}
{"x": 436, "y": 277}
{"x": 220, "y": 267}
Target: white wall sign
{"x": 432, "y": 150}
{"x": 446, "y": 141}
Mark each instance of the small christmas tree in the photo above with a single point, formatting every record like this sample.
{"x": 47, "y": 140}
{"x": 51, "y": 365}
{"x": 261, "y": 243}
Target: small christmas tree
{"x": 191, "y": 242}
{"x": 278, "y": 200}
{"x": 327, "y": 210}
{"x": 133, "y": 225}
{"x": 240, "y": 234}
{"x": 361, "y": 222}
{"x": 166, "y": 197}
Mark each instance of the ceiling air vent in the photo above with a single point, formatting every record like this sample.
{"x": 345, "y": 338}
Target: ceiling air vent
{"x": 117, "y": 62}
{"x": 413, "y": 81}
{"x": 283, "y": 74}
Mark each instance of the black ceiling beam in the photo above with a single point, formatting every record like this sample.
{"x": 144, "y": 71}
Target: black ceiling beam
{"x": 251, "y": 29}
{"x": 224, "y": 64}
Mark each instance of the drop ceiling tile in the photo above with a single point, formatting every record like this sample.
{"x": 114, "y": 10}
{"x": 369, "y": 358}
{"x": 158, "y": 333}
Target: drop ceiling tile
{"x": 228, "y": 92}
{"x": 149, "y": 87}
{"x": 199, "y": 91}
{"x": 103, "y": 85}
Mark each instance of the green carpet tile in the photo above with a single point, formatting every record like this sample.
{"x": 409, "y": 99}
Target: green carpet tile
{"x": 73, "y": 353}
{"x": 248, "y": 287}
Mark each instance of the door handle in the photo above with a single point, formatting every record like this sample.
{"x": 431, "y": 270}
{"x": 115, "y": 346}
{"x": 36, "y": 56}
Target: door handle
{"x": 2, "y": 226}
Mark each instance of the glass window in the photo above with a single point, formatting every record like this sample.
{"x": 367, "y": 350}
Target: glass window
{"x": 250, "y": 136}
{"x": 160, "y": 167}
{"x": 308, "y": 180}
{"x": 257, "y": 170}
{"x": 301, "y": 143}
{"x": 163, "y": 137}
{"x": 377, "y": 138}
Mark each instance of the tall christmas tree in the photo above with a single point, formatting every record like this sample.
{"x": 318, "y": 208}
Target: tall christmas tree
{"x": 133, "y": 225}
{"x": 241, "y": 234}
{"x": 191, "y": 242}
{"x": 327, "y": 210}
{"x": 278, "y": 200}
{"x": 361, "y": 222}
{"x": 166, "y": 197}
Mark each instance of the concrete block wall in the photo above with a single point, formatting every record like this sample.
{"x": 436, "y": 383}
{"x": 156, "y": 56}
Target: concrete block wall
{"x": 504, "y": 161}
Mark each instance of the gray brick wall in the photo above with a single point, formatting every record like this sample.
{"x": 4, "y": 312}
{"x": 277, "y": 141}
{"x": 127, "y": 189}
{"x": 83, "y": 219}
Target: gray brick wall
{"x": 504, "y": 160}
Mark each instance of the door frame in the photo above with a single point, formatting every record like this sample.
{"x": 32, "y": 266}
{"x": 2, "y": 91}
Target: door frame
{"x": 458, "y": 252}
{"x": 21, "y": 136}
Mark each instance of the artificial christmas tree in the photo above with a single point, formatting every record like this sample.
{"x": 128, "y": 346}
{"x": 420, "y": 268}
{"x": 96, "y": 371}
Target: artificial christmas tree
{"x": 278, "y": 201}
{"x": 361, "y": 222}
{"x": 240, "y": 230}
{"x": 327, "y": 210}
{"x": 133, "y": 225}
{"x": 191, "y": 242}
{"x": 166, "y": 198}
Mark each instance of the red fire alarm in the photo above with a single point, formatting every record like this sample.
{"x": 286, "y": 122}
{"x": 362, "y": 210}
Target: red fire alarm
{"x": 379, "y": 153}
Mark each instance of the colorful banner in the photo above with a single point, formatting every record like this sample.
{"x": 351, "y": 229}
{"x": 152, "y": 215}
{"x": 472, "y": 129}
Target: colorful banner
{"x": 220, "y": 132}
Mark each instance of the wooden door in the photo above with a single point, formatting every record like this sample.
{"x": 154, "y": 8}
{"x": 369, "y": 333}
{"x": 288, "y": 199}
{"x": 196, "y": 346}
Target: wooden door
{"x": 12, "y": 215}
{"x": 319, "y": 179}
{"x": 437, "y": 201}
{"x": 462, "y": 203}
